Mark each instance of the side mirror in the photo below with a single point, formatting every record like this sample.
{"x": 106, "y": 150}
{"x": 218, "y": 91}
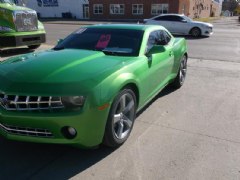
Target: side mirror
{"x": 59, "y": 41}
{"x": 184, "y": 21}
{"x": 155, "y": 49}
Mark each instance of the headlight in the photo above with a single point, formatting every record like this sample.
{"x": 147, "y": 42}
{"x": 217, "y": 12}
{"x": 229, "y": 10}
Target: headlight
{"x": 5, "y": 29}
{"x": 40, "y": 26}
{"x": 73, "y": 101}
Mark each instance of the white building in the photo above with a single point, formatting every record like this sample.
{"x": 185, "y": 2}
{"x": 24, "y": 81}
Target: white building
{"x": 55, "y": 8}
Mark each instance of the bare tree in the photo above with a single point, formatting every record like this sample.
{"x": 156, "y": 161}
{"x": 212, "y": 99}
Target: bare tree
{"x": 233, "y": 4}
{"x": 198, "y": 7}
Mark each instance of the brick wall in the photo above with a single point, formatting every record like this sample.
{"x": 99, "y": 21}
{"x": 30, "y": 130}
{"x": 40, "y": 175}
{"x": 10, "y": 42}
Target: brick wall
{"x": 173, "y": 8}
{"x": 191, "y": 8}
{"x": 200, "y": 8}
{"x": 183, "y": 7}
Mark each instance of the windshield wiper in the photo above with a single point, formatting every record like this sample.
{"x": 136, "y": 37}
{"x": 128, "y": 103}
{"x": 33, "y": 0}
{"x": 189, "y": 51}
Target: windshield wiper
{"x": 107, "y": 52}
{"x": 117, "y": 51}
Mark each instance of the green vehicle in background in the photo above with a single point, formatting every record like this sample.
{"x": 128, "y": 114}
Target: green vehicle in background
{"x": 19, "y": 26}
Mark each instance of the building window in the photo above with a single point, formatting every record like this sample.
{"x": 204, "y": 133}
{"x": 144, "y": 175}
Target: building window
{"x": 116, "y": 8}
{"x": 159, "y": 9}
{"x": 97, "y": 8}
{"x": 137, "y": 9}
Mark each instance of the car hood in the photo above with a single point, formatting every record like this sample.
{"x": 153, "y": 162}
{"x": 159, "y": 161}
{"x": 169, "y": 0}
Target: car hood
{"x": 202, "y": 23}
{"x": 13, "y": 7}
{"x": 62, "y": 70}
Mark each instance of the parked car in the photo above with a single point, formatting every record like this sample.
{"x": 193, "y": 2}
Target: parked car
{"x": 88, "y": 88}
{"x": 181, "y": 24}
{"x": 19, "y": 26}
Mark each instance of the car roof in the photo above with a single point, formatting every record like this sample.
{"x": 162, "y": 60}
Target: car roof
{"x": 169, "y": 15}
{"x": 142, "y": 27}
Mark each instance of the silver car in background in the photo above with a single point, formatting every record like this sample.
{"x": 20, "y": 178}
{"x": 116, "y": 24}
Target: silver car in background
{"x": 182, "y": 25}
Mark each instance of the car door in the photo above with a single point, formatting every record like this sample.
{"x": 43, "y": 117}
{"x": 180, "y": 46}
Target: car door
{"x": 179, "y": 25}
{"x": 160, "y": 62}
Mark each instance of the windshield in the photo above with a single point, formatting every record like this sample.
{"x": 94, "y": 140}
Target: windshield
{"x": 123, "y": 42}
{"x": 188, "y": 19}
{"x": 7, "y": 1}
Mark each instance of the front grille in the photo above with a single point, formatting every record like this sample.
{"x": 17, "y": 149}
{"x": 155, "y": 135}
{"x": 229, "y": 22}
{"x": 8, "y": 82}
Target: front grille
{"x": 25, "y": 131}
{"x": 31, "y": 39}
{"x": 30, "y": 103}
{"x": 26, "y": 21}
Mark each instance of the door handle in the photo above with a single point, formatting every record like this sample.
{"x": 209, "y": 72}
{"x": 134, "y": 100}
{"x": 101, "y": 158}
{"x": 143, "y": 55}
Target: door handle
{"x": 171, "y": 53}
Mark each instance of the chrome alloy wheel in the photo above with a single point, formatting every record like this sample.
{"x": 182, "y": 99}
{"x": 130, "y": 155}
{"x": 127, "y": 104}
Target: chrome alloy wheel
{"x": 124, "y": 115}
{"x": 196, "y": 32}
{"x": 183, "y": 70}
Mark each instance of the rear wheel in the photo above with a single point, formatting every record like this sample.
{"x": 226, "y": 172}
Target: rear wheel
{"x": 179, "y": 80}
{"x": 121, "y": 119}
{"x": 195, "y": 32}
{"x": 34, "y": 46}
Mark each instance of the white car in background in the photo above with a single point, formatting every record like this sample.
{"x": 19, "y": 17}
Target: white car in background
{"x": 182, "y": 25}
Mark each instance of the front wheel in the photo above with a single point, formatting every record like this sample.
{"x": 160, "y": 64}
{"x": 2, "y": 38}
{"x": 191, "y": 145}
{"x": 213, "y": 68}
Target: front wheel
{"x": 195, "y": 32}
{"x": 182, "y": 72}
{"x": 121, "y": 119}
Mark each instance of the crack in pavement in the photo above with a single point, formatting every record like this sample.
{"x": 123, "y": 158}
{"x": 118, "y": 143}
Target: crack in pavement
{"x": 190, "y": 132}
{"x": 218, "y": 60}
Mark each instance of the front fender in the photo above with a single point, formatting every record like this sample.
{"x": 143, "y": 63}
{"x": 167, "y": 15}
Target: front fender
{"x": 5, "y": 23}
{"x": 113, "y": 85}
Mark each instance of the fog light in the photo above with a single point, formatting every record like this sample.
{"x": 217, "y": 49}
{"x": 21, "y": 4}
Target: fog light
{"x": 72, "y": 131}
{"x": 69, "y": 132}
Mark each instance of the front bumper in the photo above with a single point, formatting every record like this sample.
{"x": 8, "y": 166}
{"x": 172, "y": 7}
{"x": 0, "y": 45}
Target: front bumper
{"x": 207, "y": 31}
{"x": 46, "y": 127}
{"x": 22, "y": 40}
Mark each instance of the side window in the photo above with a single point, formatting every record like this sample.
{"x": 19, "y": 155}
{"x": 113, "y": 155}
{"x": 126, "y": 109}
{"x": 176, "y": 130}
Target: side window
{"x": 158, "y": 37}
{"x": 177, "y": 18}
{"x": 169, "y": 18}
{"x": 161, "y": 18}
{"x": 166, "y": 36}
{"x": 152, "y": 40}
{"x": 158, "y": 18}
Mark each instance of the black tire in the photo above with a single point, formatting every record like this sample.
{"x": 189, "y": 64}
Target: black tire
{"x": 195, "y": 32}
{"x": 34, "y": 46}
{"x": 182, "y": 72}
{"x": 121, "y": 119}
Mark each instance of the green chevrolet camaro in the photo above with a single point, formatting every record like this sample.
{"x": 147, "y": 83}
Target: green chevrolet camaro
{"x": 87, "y": 90}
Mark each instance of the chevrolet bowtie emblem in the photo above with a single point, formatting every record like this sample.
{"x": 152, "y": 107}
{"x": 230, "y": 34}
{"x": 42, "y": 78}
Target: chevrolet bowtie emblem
{"x": 27, "y": 21}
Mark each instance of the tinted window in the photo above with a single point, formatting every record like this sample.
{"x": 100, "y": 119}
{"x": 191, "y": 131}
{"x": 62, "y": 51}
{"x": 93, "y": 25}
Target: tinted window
{"x": 118, "y": 41}
{"x": 177, "y": 18}
{"x": 162, "y": 18}
{"x": 166, "y": 36}
{"x": 153, "y": 39}
{"x": 168, "y": 18}
{"x": 157, "y": 36}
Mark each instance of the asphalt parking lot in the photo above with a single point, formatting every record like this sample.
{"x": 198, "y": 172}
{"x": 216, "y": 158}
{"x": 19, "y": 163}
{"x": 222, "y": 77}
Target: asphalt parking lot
{"x": 190, "y": 133}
